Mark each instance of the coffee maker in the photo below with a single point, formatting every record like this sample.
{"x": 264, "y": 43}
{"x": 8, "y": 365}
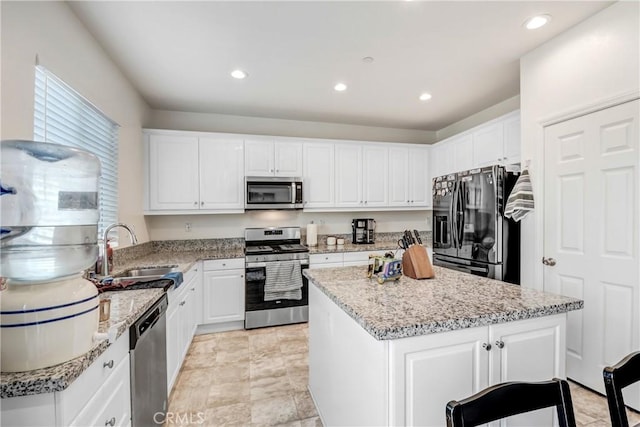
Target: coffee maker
{"x": 363, "y": 230}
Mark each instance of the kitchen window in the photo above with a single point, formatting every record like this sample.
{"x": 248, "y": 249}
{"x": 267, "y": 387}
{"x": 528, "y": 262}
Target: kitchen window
{"x": 63, "y": 116}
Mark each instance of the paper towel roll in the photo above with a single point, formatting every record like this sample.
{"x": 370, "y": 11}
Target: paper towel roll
{"x": 312, "y": 234}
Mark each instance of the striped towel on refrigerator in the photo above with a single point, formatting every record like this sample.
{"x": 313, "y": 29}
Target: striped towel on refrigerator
{"x": 283, "y": 281}
{"x": 520, "y": 201}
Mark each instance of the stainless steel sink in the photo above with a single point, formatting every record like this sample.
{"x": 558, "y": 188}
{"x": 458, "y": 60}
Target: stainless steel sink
{"x": 145, "y": 274}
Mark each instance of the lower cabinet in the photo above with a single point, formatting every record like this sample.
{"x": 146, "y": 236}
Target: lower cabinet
{"x": 466, "y": 361}
{"x": 358, "y": 380}
{"x": 223, "y": 291}
{"x": 183, "y": 315}
{"x": 100, "y": 396}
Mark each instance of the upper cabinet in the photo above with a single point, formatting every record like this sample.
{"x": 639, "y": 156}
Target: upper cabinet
{"x": 361, "y": 175}
{"x": 188, "y": 172}
{"x": 318, "y": 179}
{"x": 495, "y": 142}
{"x": 202, "y": 172}
{"x": 268, "y": 157}
{"x": 408, "y": 176}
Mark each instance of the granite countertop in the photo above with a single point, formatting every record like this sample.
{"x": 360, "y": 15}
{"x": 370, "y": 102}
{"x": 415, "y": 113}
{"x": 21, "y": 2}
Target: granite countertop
{"x": 350, "y": 247}
{"x": 452, "y": 300}
{"x": 184, "y": 259}
{"x": 126, "y": 308}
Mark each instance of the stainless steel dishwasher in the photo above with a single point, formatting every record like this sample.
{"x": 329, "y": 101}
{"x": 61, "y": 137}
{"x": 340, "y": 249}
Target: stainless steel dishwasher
{"x": 148, "y": 356}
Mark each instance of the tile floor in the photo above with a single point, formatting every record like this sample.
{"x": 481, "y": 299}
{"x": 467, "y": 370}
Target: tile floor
{"x": 259, "y": 377}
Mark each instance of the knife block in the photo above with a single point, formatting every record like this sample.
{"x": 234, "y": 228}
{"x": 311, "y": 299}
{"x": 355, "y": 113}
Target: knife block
{"x": 416, "y": 263}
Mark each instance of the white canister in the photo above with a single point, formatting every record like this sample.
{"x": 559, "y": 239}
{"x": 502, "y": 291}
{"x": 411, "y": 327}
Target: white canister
{"x": 331, "y": 241}
{"x": 312, "y": 234}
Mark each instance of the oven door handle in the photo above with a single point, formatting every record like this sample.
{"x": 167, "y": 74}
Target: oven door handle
{"x": 303, "y": 263}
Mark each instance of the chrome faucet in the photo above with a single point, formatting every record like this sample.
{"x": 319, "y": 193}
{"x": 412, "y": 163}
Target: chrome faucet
{"x": 105, "y": 260}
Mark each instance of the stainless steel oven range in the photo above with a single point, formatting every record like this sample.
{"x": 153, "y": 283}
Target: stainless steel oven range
{"x": 276, "y": 292}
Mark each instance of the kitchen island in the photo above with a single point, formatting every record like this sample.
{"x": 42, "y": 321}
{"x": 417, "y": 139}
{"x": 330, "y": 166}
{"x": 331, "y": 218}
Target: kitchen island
{"x": 395, "y": 354}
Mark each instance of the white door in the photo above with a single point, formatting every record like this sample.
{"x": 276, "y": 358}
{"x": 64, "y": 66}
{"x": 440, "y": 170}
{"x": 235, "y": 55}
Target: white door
{"x": 318, "y": 183}
{"x": 399, "y": 176}
{"x": 375, "y": 179}
{"x": 419, "y": 177}
{"x": 258, "y": 160}
{"x": 591, "y": 234}
{"x": 223, "y": 296}
{"x": 288, "y": 158}
{"x": 348, "y": 164}
{"x": 221, "y": 173}
{"x": 173, "y": 172}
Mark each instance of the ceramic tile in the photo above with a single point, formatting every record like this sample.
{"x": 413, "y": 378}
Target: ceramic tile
{"x": 238, "y": 414}
{"x": 228, "y": 394}
{"x": 304, "y": 404}
{"x": 274, "y": 411}
{"x": 311, "y": 422}
{"x": 269, "y": 387}
{"x": 267, "y": 367}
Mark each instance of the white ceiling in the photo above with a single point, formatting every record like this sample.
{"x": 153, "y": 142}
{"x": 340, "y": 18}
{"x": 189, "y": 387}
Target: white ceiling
{"x": 179, "y": 54}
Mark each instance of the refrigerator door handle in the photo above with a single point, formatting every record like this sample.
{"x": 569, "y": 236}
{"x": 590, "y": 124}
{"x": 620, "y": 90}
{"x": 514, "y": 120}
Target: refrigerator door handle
{"x": 461, "y": 196}
{"x": 463, "y": 267}
{"x": 454, "y": 215}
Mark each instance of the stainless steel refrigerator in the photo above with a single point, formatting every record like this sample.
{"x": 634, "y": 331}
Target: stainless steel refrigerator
{"x": 470, "y": 232}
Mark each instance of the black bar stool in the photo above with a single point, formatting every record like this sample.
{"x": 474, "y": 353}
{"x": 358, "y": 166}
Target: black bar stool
{"x": 617, "y": 377}
{"x": 512, "y": 398}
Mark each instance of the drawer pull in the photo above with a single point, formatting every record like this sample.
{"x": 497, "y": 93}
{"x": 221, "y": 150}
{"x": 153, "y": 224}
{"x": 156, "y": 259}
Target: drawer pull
{"x": 111, "y": 422}
{"x": 108, "y": 364}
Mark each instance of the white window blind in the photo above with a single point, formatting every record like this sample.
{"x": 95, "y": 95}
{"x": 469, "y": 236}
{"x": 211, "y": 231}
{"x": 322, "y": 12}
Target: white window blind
{"x": 63, "y": 116}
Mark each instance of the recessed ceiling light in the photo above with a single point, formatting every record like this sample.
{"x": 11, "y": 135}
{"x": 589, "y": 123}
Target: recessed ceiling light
{"x": 367, "y": 59}
{"x": 238, "y": 74}
{"x": 340, "y": 87}
{"x": 425, "y": 96}
{"x": 537, "y": 21}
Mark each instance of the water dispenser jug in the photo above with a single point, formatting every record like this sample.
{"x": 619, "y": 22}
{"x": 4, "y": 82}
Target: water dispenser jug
{"x": 49, "y": 210}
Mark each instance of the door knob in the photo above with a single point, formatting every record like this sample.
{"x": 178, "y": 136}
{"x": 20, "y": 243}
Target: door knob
{"x": 548, "y": 261}
{"x": 500, "y": 344}
{"x": 486, "y": 346}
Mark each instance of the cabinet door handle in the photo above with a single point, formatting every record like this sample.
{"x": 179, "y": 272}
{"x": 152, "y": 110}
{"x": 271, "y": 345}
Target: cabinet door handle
{"x": 183, "y": 303}
{"x": 108, "y": 364}
{"x": 201, "y": 203}
{"x": 486, "y": 346}
{"x": 193, "y": 289}
{"x": 242, "y": 275}
{"x": 195, "y": 203}
{"x": 111, "y": 422}
{"x": 500, "y": 344}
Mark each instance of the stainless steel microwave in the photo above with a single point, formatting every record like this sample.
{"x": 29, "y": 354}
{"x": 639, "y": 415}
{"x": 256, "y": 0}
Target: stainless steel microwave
{"x": 264, "y": 192}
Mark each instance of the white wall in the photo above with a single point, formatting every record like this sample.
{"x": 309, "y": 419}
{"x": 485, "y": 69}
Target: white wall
{"x": 595, "y": 61}
{"x": 50, "y": 31}
{"x": 266, "y": 126}
{"x": 233, "y": 225}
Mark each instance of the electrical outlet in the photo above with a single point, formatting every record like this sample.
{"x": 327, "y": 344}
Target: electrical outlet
{"x": 187, "y": 227}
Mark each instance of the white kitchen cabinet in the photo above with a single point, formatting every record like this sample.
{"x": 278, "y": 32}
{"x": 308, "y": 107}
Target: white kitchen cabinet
{"x": 173, "y": 172}
{"x": 375, "y": 175}
{"x": 429, "y": 371}
{"x": 223, "y": 291}
{"x": 361, "y": 172}
{"x": 488, "y": 145}
{"x": 221, "y": 164}
{"x": 182, "y": 319}
{"x": 348, "y": 173}
{"x": 409, "y": 176}
{"x": 191, "y": 173}
{"x": 101, "y": 393}
{"x": 318, "y": 179}
{"x": 268, "y": 157}
{"x": 494, "y": 142}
